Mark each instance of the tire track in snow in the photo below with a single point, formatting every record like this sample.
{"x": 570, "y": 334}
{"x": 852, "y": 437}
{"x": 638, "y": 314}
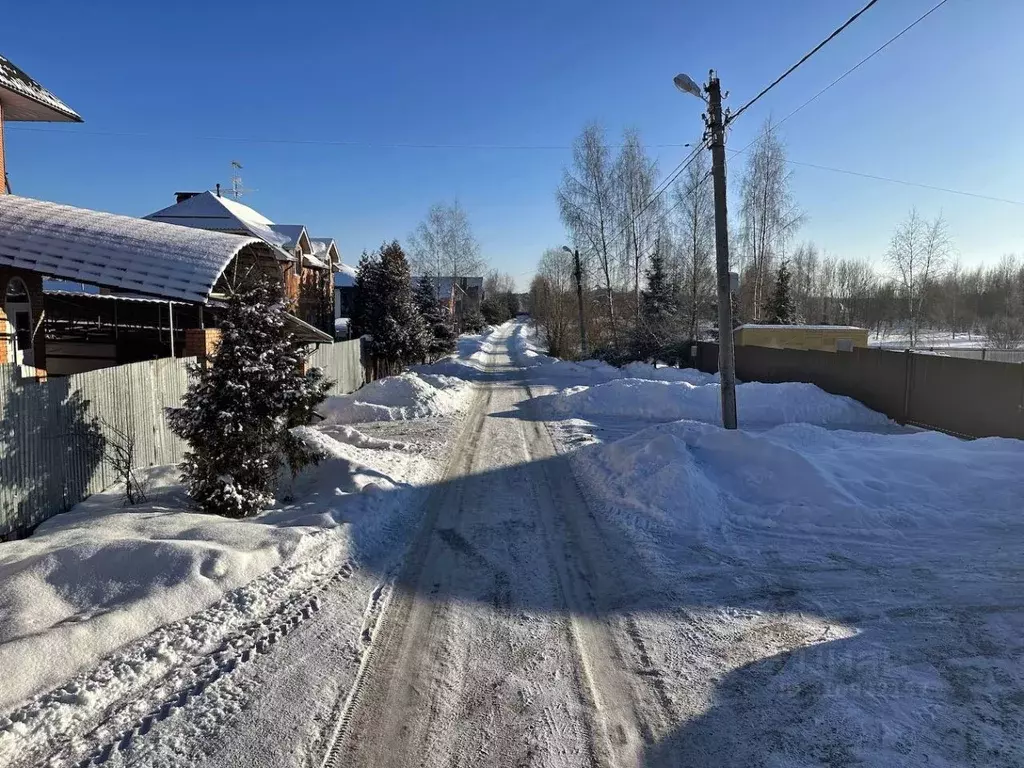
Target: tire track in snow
{"x": 395, "y": 612}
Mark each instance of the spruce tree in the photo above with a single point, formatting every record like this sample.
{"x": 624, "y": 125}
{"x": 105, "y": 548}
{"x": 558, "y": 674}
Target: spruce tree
{"x": 392, "y": 318}
{"x": 437, "y": 317}
{"x": 781, "y": 310}
{"x": 237, "y": 412}
{"x": 659, "y": 310}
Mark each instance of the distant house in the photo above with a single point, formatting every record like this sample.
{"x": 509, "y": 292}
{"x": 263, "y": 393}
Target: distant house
{"x": 308, "y": 263}
{"x": 827, "y": 338}
{"x": 21, "y": 289}
{"x": 344, "y": 299}
{"x": 463, "y": 295}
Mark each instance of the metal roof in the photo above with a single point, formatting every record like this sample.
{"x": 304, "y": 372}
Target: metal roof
{"x": 219, "y": 214}
{"x": 25, "y": 99}
{"x": 121, "y": 252}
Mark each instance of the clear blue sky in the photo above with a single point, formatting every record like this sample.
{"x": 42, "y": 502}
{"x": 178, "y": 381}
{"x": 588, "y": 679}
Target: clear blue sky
{"x": 941, "y": 106}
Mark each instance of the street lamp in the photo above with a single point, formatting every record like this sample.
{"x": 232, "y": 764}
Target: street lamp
{"x": 716, "y": 134}
{"x": 685, "y": 84}
{"x": 577, "y": 273}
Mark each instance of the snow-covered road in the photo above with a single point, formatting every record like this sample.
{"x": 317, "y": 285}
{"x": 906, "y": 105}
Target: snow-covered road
{"x": 572, "y": 565}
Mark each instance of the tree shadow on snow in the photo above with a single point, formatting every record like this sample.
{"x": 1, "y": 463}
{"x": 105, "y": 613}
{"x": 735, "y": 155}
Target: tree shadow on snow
{"x": 827, "y": 656}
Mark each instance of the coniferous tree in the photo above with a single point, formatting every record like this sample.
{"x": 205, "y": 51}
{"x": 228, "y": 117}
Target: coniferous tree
{"x": 399, "y": 334}
{"x": 237, "y": 413}
{"x": 781, "y": 310}
{"x": 438, "y": 319}
{"x": 659, "y": 309}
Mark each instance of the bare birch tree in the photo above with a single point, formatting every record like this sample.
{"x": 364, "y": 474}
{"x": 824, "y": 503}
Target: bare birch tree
{"x": 443, "y": 244}
{"x": 917, "y": 254}
{"x": 639, "y": 215}
{"x": 693, "y": 198}
{"x": 586, "y": 202}
{"x": 769, "y": 217}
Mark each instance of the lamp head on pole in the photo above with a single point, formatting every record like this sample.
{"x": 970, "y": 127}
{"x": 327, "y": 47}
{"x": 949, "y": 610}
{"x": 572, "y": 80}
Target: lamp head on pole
{"x": 567, "y": 249}
{"x": 685, "y": 84}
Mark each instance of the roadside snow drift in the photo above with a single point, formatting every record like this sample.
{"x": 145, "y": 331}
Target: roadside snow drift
{"x": 410, "y": 395}
{"x": 757, "y": 404}
{"x": 802, "y": 479}
{"x": 88, "y": 584}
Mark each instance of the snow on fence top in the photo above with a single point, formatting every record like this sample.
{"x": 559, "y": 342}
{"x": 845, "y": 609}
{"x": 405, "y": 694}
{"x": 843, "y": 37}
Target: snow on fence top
{"x": 114, "y": 251}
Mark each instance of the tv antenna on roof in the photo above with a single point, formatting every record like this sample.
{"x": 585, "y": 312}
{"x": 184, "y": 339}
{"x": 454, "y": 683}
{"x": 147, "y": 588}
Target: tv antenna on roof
{"x": 237, "y": 189}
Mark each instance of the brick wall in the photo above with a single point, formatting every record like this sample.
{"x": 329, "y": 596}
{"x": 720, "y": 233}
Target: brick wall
{"x": 200, "y": 343}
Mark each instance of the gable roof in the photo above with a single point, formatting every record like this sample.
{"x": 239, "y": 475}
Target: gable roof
{"x": 326, "y": 249}
{"x": 25, "y": 99}
{"x": 220, "y": 214}
{"x": 293, "y": 235}
{"x": 121, "y": 252}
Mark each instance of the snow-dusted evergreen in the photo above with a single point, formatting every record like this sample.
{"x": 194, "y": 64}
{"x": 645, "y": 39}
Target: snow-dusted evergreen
{"x": 438, "y": 319}
{"x": 659, "y": 310}
{"x": 387, "y": 312}
{"x": 237, "y": 412}
{"x": 781, "y": 310}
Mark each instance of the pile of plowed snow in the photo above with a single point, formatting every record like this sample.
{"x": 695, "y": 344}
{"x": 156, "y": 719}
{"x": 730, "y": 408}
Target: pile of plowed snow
{"x": 757, "y": 404}
{"x": 802, "y": 479}
{"x": 411, "y": 395}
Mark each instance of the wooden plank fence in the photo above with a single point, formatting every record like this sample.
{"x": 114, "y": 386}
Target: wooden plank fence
{"x": 52, "y": 432}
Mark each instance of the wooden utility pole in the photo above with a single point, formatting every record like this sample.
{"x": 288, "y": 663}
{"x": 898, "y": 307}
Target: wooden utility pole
{"x": 726, "y": 353}
{"x": 577, "y": 273}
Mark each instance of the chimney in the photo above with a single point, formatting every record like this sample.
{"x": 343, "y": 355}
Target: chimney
{"x": 218, "y": 190}
{"x": 181, "y": 197}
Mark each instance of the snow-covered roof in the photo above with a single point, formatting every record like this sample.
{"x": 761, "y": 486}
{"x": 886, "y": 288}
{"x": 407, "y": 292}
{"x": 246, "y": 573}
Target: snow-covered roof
{"x": 312, "y": 261}
{"x": 803, "y": 327}
{"x": 292, "y": 233}
{"x": 345, "y": 277}
{"x": 121, "y": 252}
{"x": 25, "y": 99}
{"x": 326, "y": 249}
{"x": 220, "y": 214}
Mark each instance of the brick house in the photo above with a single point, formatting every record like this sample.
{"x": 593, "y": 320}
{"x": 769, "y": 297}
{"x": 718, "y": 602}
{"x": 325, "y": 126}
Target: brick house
{"x": 307, "y": 275}
{"x": 163, "y": 286}
{"x": 21, "y": 290}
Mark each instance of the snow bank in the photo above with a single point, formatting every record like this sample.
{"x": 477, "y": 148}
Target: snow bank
{"x": 802, "y": 479}
{"x": 667, "y": 373}
{"x": 103, "y": 601}
{"x": 756, "y": 403}
{"x": 411, "y": 395}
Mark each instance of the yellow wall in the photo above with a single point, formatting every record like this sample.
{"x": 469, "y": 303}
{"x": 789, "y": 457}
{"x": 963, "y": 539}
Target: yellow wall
{"x": 797, "y": 337}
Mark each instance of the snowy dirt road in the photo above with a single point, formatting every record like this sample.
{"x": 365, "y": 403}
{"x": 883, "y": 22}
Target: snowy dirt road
{"x": 576, "y": 583}
{"x": 492, "y": 651}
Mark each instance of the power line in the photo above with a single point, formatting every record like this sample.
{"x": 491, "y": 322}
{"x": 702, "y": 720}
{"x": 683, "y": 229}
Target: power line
{"x": 867, "y": 58}
{"x": 907, "y": 183}
{"x": 315, "y": 142}
{"x": 805, "y": 57}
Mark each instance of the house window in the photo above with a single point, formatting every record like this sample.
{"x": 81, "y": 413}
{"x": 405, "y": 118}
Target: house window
{"x": 19, "y": 318}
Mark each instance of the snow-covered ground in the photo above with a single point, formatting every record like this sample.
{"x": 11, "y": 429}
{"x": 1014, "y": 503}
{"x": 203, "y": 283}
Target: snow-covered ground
{"x": 109, "y": 612}
{"x": 806, "y": 595}
{"x": 819, "y": 587}
{"x": 939, "y": 339}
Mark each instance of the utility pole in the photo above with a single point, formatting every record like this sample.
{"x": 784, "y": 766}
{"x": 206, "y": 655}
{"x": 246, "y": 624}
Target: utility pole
{"x": 577, "y": 273}
{"x": 726, "y": 353}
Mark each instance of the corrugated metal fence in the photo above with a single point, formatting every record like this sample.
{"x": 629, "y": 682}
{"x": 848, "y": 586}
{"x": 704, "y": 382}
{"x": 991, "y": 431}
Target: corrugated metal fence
{"x": 342, "y": 363}
{"x": 52, "y": 432}
{"x": 970, "y": 398}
